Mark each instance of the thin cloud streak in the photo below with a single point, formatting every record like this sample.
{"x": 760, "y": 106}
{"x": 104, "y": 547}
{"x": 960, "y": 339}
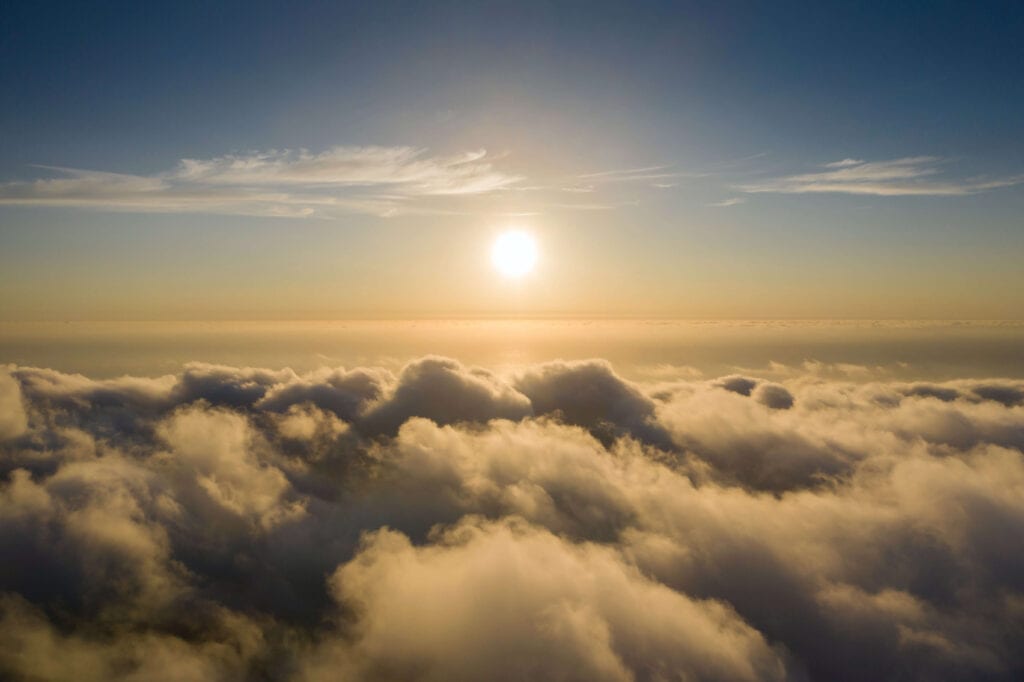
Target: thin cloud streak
{"x": 406, "y": 167}
{"x": 624, "y": 173}
{"x": 643, "y": 174}
{"x": 910, "y": 176}
{"x": 376, "y": 180}
{"x": 724, "y": 203}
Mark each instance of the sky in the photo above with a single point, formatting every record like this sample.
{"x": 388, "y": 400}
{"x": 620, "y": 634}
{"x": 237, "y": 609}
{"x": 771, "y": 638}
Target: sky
{"x": 266, "y": 161}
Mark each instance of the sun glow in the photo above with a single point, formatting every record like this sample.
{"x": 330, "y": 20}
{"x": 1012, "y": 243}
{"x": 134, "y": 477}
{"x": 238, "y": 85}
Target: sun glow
{"x": 514, "y": 253}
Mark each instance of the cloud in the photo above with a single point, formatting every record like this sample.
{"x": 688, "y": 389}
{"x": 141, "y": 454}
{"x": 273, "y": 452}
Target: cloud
{"x": 551, "y": 522}
{"x": 29, "y": 642}
{"x": 218, "y": 449}
{"x": 737, "y": 384}
{"x": 592, "y": 395}
{"x": 1006, "y": 395}
{"x": 446, "y": 392}
{"x": 732, "y": 201}
{"x": 375, "y": 180}
{"x": 13, "y": 420}
{"x": 306, "y": 422}
{"x": 774, "y": 396}
{"x": 406, "y": 168}
{"x": 669, "y": 371}
{"x": 644, "y": 173}
{"x": 344, "y": 393}
{"x": 522, "y": 603}
{"x": 910, "y": 176}
{"x": 845, "y": 163}
{"x": 661, "y": 177}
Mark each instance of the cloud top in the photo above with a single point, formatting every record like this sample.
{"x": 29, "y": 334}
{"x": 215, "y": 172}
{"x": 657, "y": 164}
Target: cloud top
{"x": 447, "y": 522}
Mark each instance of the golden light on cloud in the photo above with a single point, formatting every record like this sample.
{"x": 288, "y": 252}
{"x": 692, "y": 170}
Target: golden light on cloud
{"x": 514, "y": 253}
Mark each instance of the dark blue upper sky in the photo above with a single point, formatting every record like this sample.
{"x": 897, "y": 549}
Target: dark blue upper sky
{"x": 127, "y": 83}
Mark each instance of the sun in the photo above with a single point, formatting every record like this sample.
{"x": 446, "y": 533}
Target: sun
{"x": 514, "y": 253}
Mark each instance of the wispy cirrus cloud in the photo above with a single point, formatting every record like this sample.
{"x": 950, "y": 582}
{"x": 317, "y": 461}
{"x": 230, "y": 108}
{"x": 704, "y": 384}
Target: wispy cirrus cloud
{"x": 909, "y": 176}
{"x": 660, "y": 176}
{"x": 376, "y": 180}
{"x": 725, "y": 203}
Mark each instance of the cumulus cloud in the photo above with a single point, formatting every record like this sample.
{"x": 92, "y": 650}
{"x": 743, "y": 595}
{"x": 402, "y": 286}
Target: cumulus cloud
{"x": 737, "y": 384}
{"x": 910, "y": 176}
{"x": 447, "y": 392}
{"x": 1007, "y": 395}
{"x": 343, "y": 392}
{"x": 558, "y": 521}
{"x": 306, "y": 422}
{"x": 288, "y": 183}
{"x": 521, "y": 603}
{"x": 774, "y": 396}
{"x": 219, "y": 449}
{"x": 30, "y": 643}
{"x": 591, "y": 394}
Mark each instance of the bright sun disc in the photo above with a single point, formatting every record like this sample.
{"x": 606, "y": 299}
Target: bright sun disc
{"x": 514, "y": 253}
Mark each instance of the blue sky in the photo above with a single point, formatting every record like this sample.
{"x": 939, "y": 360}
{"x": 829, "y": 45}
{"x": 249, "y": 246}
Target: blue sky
{"x": 692, "y": 159}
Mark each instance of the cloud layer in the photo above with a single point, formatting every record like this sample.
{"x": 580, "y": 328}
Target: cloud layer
{"x": 553, "y": 522}
{"x": 392, "y": 180}
{"x": 910, "y": 176}
{"x": 376, "y": 180}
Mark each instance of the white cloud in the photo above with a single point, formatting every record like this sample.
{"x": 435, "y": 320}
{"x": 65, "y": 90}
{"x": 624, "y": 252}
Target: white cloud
{"x": 844, "y": 163}
{"x": 375, "y": 180}
{"x": 658, "y": 176}
{"x": 910, "y": 176}
{"x": 406, "y": 168}
{"x": 734, "y": 201}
